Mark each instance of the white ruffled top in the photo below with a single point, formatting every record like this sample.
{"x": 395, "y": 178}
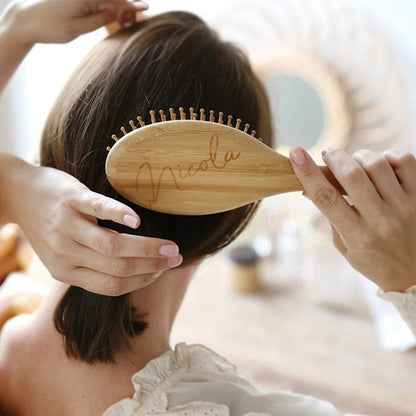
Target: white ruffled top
{"x": 192, "y": 380}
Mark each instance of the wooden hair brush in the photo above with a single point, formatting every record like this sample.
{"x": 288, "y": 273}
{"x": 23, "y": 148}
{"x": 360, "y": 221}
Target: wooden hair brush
{"x": 197, "y": 166}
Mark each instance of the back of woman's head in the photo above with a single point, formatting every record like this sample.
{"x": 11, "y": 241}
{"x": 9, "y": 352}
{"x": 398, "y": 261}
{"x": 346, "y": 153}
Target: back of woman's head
{"x": 171, "y": 60}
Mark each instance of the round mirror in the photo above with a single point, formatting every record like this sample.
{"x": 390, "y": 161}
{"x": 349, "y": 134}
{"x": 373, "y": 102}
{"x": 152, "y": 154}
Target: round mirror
{"x": 308, "y": 104}
{"x": 297, "y": 110}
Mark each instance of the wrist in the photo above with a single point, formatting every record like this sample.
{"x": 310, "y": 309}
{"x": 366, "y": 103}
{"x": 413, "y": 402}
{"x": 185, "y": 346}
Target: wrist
{"x": 12, "y": 29}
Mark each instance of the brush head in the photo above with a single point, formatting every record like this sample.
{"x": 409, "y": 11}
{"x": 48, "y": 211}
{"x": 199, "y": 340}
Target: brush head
{"x": 195, "y": 167}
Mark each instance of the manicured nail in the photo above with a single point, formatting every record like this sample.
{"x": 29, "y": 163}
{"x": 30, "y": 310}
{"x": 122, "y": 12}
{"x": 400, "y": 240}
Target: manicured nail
{"x": 174, "y": 261}
{"x": 157, "y": 274}
{"x": 131, "y": 221}
{"x": 324, "y": 152}
{"x": 298, "y": 156}
{"x": 169, "y": 250}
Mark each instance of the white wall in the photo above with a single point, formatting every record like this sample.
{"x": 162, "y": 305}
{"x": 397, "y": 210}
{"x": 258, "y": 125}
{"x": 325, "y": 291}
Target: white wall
{"x": 32, "y": 91}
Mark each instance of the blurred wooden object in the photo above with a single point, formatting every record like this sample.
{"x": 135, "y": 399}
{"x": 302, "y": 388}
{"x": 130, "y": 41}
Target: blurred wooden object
{"x": 15, "y": 252}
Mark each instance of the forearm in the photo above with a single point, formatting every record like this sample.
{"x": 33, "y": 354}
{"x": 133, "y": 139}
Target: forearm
{"x": 14, "y": 174}
{"x": 12, "y": 52}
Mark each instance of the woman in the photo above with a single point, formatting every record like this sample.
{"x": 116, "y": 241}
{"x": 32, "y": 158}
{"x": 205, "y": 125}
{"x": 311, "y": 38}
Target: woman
{"x": 94, "y": 344}
{"x": 30, "y": 194}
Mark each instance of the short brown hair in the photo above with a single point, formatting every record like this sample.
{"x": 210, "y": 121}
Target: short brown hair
{"x": 171, "y": 60}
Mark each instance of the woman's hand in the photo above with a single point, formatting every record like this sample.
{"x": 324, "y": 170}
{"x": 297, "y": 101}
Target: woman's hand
{"x": 59, "y": 215}
{"x": 377, "y": 235}
{"x": 59, "y": 21}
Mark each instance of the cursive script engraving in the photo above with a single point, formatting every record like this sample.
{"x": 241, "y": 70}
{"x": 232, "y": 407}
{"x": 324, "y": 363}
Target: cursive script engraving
{"x": 182, "y": 173}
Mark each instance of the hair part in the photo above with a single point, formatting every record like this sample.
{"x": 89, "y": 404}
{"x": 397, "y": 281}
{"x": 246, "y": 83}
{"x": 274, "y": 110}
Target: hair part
{"x": 171, "y": 60}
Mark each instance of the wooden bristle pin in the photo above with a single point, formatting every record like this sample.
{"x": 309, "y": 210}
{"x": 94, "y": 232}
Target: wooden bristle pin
{"x": 191, "y": 113}
{"x": 237, "y": 125}
{"x": 141, "y": 122}
{"x": 114, "y": 137}
{"x": 152, "y": 116}
{"x": 230, "y": 117}
{"x": 202, "y": 114}
{"x": 162, "y": 115}
{"x": 220, "y": 115}
{"x": 172, "y": 114}
{"x": 211, "y": 116}
{"x": 123, "y": 129}
{"x": 108, "y": 148}
{"x": 133, "y": 126}
{"x": 182, "y": 113}
{"x": 253, "y": 133}
{"x": 246, "y": 127}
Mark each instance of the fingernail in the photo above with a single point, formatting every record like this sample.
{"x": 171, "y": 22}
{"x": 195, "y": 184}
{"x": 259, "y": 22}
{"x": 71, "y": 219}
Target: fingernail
{"x": 324, "y": 152}
{"x": 128, "y": 18}
{"x": 145, "y": 5}
{"x": 169, "y": 250}
{"x": 174, "y": 261}
{"x": 131, "y": 221}
{"x": 157, "y": 274}
{"x": 298, "y": 156}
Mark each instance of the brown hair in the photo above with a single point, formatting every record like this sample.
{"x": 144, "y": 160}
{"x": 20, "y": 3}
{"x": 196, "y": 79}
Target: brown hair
{"x": 171, "y": 60}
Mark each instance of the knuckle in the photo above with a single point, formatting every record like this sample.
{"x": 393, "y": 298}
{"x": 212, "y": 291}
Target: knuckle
{"x": 407, "y": 159}
{"x": 120, "y": 267}
{"x": 109, "y": 246}
{"x": 114, "y": 287}
{"x": 376, "y": 165}
{"x": 353, "y": 176}
{"x": 325, "y": 197}
{"x": 97, "y": 206}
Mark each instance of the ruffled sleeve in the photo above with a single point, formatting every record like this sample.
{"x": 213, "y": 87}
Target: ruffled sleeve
{"x": 405, "y": 303}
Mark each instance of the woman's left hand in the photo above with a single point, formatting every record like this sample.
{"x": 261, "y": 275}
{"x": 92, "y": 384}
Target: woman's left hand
{"x": 377, "y": 235}
{"x": 60, "y": 21}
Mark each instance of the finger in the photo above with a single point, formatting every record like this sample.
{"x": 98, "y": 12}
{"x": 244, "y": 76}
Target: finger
{"x": 112, "y": 244}
{"x": 126, "y": 267}
{"x": 106, "y": 284}
{"x": 104, "y": 208}
{"x": 337, "y": 240}
{"x": 85, "y": 24}
{"x": 381, "y": 175}
{"x": 126, "y": 12}
{"x": 355, "y": 181}
{"x": 322, "y": 193}
{"x": 404, "y": 165}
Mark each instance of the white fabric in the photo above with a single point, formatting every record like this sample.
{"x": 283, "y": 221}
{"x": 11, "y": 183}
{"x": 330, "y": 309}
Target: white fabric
{"x": 405, "y": 303}
{"x": 195, "y": 381}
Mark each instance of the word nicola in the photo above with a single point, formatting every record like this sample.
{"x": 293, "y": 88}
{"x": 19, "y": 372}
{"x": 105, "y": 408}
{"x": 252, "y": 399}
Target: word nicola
{"x": 179, "y": 174}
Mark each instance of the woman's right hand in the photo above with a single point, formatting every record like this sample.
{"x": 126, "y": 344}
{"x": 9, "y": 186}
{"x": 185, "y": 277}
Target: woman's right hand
{"x": 377, "y": 234}
{"x": 59, "y": 215}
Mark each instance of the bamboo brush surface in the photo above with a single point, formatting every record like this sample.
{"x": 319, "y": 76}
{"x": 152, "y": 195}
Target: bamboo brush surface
{"x": 192, "y": 167}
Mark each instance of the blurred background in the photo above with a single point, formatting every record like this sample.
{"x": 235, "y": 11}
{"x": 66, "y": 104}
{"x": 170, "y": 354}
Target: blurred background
{"x": 284, "y": 305}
